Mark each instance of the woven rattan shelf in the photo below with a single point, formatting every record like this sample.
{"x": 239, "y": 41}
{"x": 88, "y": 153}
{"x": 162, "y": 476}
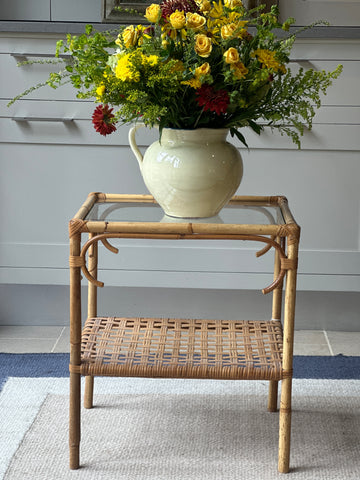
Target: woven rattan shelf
{"x": 177, "y": 347}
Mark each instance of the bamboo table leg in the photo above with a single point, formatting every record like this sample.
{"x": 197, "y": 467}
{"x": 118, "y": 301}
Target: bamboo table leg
{"x": 276, "y": 315}
{"x": 89, "y": 392}
{"x": 285, "y": 426}
{"x": 75, "y": 352}
{"x": 92, "y": 312}
{"x": 74, "y": 423}
{"x": 286, "y": 383}
{"x": 273, "y": 396}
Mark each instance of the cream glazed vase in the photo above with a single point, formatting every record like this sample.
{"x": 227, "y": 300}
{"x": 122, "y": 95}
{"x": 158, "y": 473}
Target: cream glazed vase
{"x": 190, "y": 173}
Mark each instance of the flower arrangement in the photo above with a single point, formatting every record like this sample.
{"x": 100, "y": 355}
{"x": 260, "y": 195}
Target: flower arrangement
{"x": 196, "y": 64}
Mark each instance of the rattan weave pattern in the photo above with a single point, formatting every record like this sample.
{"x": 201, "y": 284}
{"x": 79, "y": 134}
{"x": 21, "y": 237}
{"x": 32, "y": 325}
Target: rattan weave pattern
{"x": 163, "y": 347}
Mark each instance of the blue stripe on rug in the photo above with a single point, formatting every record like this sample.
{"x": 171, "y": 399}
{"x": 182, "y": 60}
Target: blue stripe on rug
{"x": 33, "y": 365}
{"x": 57, "y": 365}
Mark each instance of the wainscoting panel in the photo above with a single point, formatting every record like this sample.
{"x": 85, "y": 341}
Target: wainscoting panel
{"x": 51, "y": 158}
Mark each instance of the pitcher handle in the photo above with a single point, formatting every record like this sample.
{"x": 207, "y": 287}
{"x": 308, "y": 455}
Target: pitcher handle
{"x": 133, "y": 144}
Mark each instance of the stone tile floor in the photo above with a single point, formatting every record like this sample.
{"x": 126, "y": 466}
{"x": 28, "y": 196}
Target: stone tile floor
{"x": 53, "y": 339}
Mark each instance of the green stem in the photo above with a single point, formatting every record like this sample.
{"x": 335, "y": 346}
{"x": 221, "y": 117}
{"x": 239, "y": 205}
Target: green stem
{"x": 198, "y": 119}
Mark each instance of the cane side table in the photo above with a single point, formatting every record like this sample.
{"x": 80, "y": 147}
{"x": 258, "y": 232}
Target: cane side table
{"x": 183, "y": 348}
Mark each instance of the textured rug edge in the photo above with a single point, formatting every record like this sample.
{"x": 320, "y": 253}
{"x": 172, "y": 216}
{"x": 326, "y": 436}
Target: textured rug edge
{"x": 265, "y": 470}
{"x": 56, "y": 365}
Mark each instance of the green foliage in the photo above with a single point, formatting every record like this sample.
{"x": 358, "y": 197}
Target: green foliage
{"x": 291, "y": 105}
{"x": 224, "y": 67}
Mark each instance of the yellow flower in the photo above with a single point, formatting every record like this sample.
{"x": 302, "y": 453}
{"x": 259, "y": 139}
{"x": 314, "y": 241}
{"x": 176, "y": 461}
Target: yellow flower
{"x": 239, "y": 70}
{"x": 151, "y": 60}
{"x": 177, "y": 20}
{"x": 100, "y": 91}
{"x": 217, "y": 10}
{"x": 194, "y": 82}
{"x": 123, "y": 70}
{"x": 234, "y": 17}
{"x": 231, "y": 55}
{"x": 233, "y": 3}
{"x": 153, "y": 13}
{"x": 228, "y": 31}
{"x": 195, "y": 21}
{"x": 267, "y": 58}
{"x": 204, "y": 5}
{"x": 204, "y": 69}
{"x": 233, "y": 30}
{"x": 203, "y": 45}
{"x": 178, "y": 67}
{"x": 130, "y": 36}
{"x": 242, "y": 103}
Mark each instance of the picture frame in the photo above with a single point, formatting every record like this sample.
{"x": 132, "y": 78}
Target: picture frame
{"x": 124, "y": 11}
{"x": 112, "y": 14}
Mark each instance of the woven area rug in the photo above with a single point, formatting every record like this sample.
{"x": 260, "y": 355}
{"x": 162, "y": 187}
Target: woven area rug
{"x": 178, "y": 429}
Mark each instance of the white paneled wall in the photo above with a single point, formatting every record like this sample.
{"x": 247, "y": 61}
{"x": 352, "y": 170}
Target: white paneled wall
{"x": 52, "y": 160}
{"x": 337, "y": 12}
{"x": 51, "y": 10}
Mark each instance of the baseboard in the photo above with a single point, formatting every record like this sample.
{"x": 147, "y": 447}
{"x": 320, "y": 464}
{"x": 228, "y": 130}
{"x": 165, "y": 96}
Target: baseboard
{"x": 49, "y": 305}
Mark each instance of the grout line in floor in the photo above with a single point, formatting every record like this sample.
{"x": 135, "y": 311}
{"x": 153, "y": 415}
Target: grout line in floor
{"x": 57, "y": 340}
{"x": 328, "y": 343}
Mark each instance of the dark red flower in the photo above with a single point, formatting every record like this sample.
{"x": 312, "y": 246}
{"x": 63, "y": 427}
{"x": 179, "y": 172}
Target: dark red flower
{"x": 149, "y": 31}
{"x": 102, "y": 120}
{"x": 214, "y": 100}
{"x": 170, "y": 6}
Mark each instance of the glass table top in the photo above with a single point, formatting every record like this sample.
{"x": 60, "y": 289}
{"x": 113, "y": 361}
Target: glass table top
{"x": 150, "y": 212}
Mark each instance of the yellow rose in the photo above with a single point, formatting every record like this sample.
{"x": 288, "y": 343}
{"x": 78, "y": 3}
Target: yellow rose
{"x": 239, "y": 70}
{"x": 177, "y": 20}
{"x": 233, "y": 30}
{"x": 228, "y": 31}
{"x": 195, "y": 21}
{"x": 231, "y": 55}
{"x": 153, "y": 13}
{"x": 204, "y": 5}
{"x": 203, "y": 45}
{"x": 204, "y": 69}
{"x": 233, "y": 3}
{"x": 130, "y": 36}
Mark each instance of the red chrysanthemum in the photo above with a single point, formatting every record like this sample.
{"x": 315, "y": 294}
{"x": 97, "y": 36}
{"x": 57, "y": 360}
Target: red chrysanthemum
{"x": 103, "y": 120}
{"x": 214, "y": 100}
{"x": 149, "y": 31}
{"x": 170, "y": 6}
